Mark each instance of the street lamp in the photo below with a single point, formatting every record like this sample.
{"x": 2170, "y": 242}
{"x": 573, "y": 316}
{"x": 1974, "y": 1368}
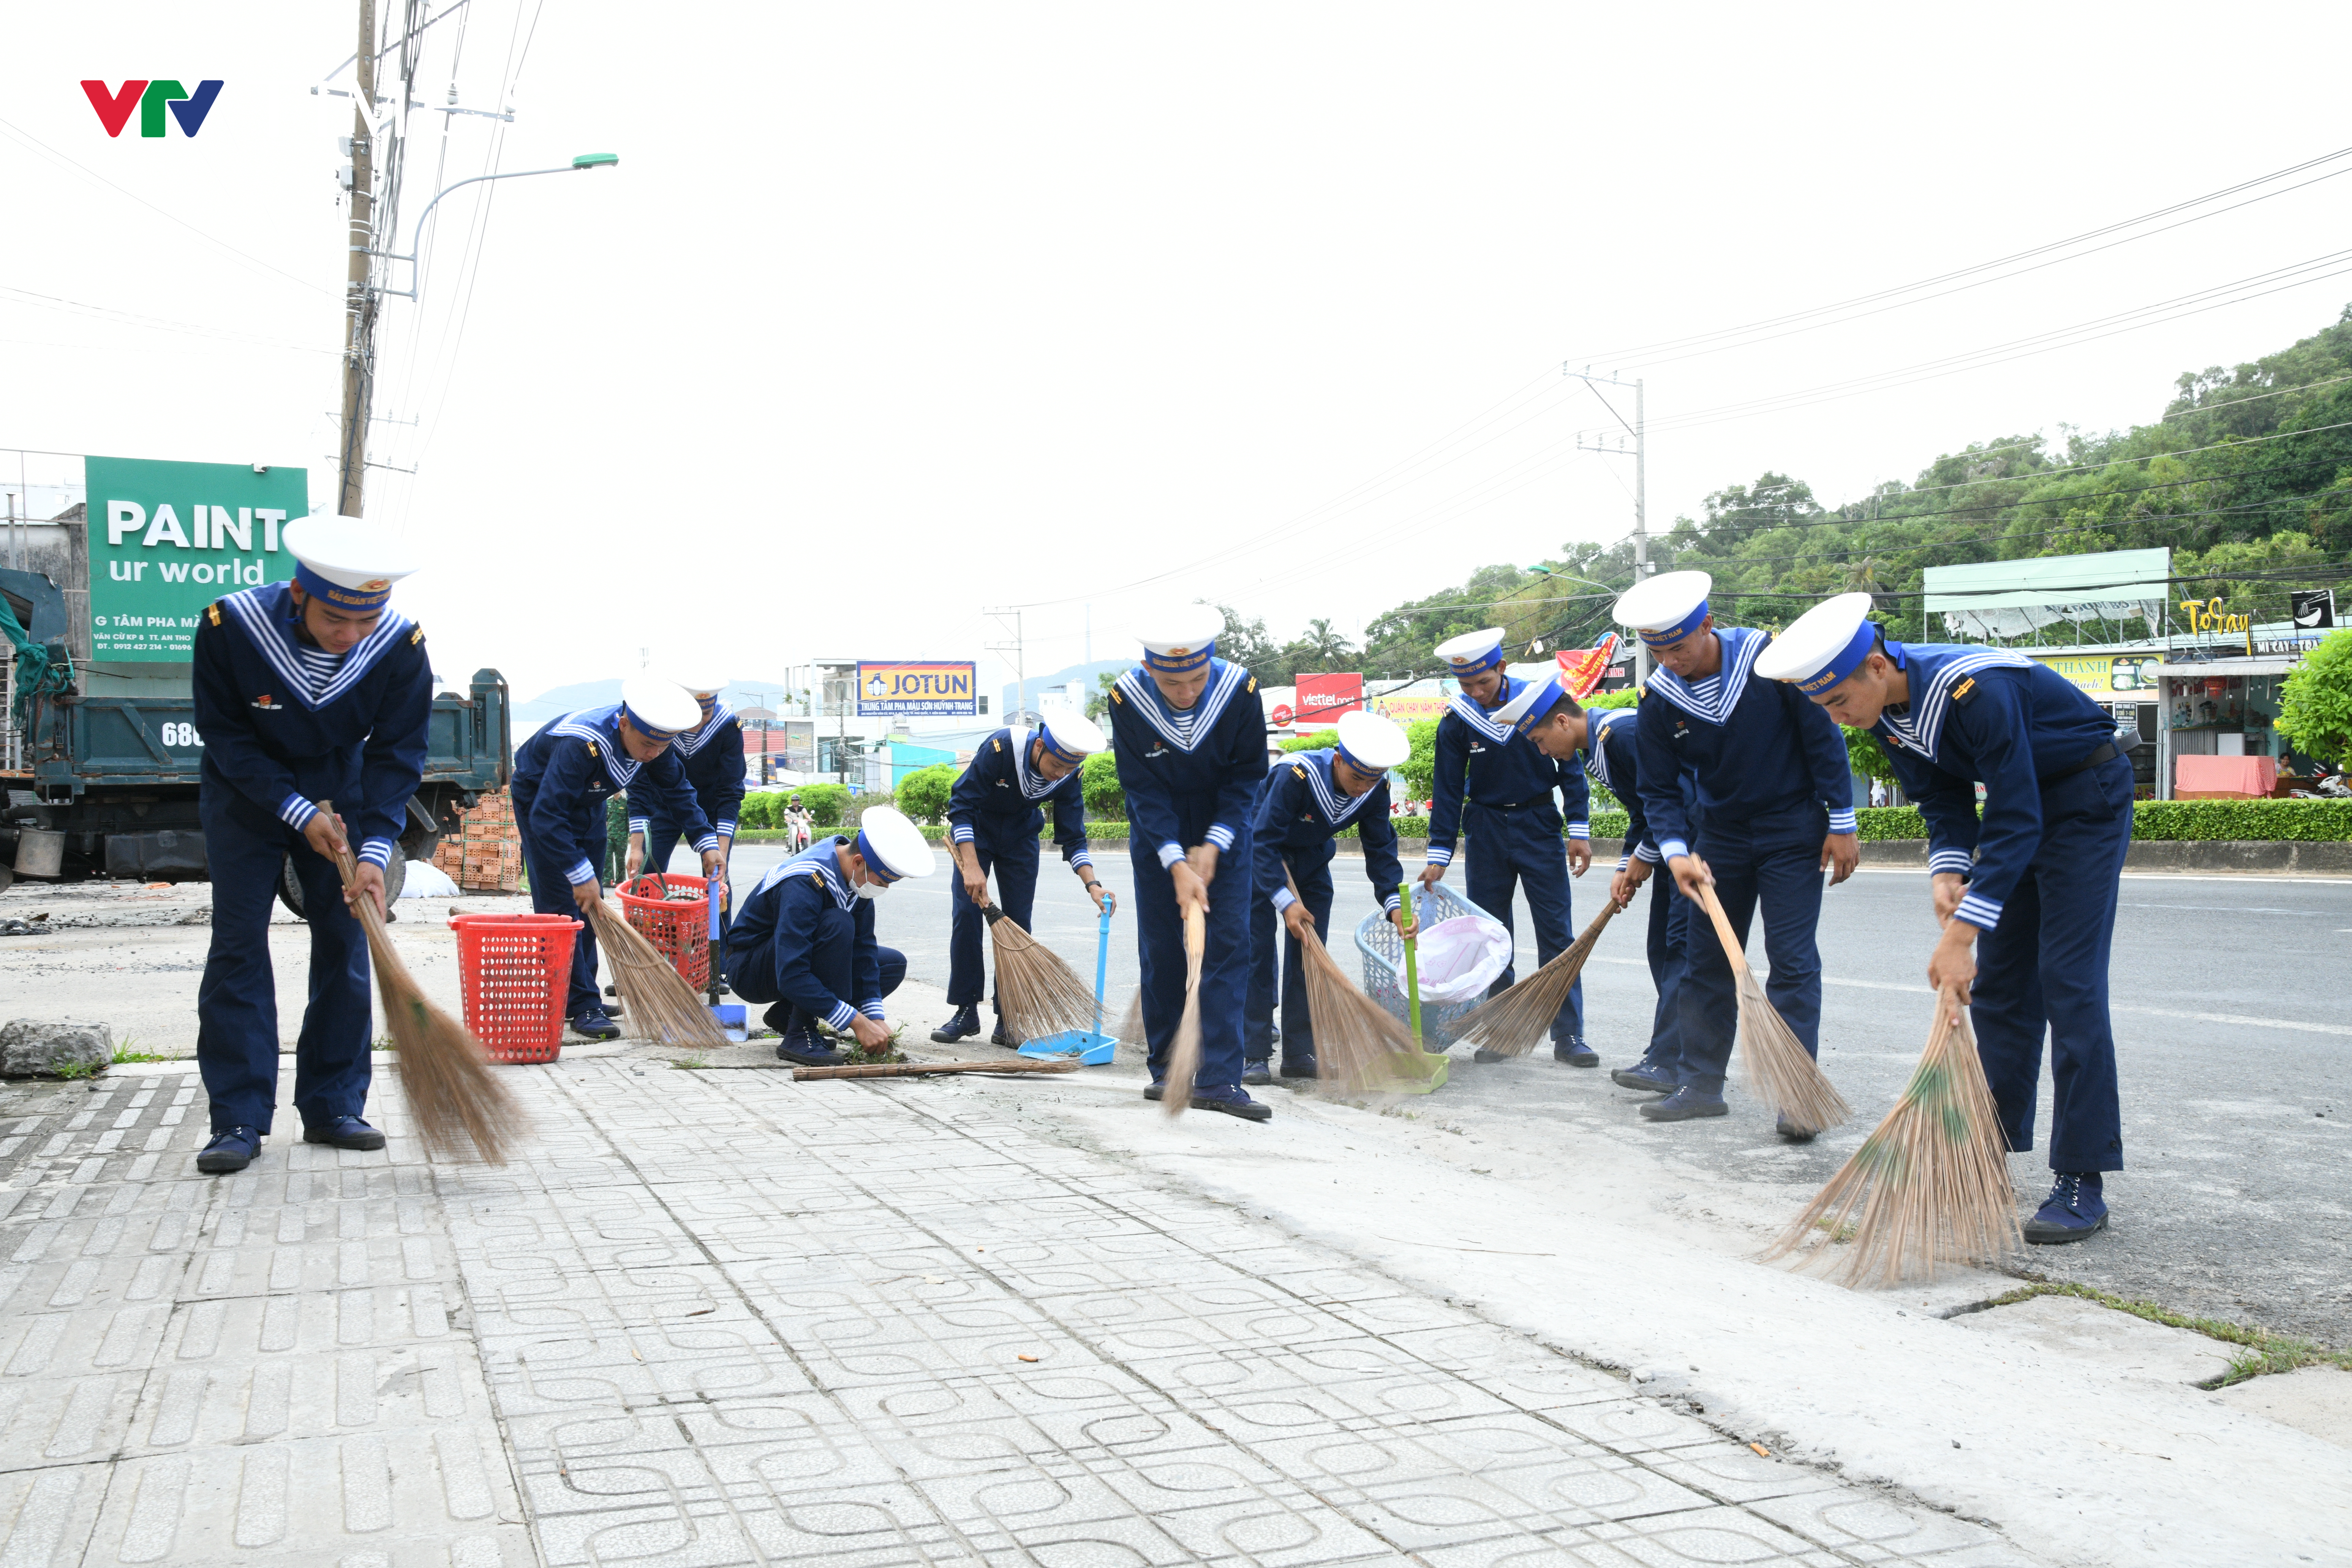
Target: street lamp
{"x": 1641, "y": 653}
{"x": 585, "y": 161}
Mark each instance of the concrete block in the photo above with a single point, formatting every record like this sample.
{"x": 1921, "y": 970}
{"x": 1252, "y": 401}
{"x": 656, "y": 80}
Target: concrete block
{"x": 2061, "y": 1329}
{"x": 2314, "y": 1399}
{"x": 44, "y": 1048}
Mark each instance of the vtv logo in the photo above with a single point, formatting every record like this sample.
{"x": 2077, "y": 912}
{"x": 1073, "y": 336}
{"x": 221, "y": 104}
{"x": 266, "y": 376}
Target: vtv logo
{"x": 151, "y": 98}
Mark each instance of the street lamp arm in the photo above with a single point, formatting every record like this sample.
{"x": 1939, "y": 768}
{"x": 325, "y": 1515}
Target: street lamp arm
{"x": 416, "y": 235}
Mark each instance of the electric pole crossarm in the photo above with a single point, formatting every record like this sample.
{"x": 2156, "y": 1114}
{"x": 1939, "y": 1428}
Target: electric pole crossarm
{"x": 585, "y": 161}
{"x": 1641, "y": 481}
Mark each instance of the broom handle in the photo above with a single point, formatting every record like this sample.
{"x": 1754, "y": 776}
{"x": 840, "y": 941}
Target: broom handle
{"x": 1722, "y": 925}
{"x": 1412, "y": 962}
{"x": 712, "y": 951}
{"x": 1196, "y": 939}
{"x": 1102, "y": 953}
{"x": 918, "y": 1070}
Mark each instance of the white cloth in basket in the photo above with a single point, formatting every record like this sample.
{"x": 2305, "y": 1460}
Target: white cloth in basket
{"x": 1461, "y": 957}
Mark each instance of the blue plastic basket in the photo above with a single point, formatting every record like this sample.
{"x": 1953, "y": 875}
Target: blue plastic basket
{"x": 1383, "y": 953}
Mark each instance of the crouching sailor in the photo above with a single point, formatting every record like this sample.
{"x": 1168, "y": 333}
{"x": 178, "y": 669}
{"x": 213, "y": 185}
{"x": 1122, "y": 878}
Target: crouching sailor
{"x": 562, "y": 777}
{"x": 1189, "y": 733}
{"x": 1302, "y": 807}
{"x": 803, "y": 940}
{"x": 994, "y": 815}
{"x": 309, "y": 691}
{"x": 2031, "y": 889}
{"x": 1513, "y": 825}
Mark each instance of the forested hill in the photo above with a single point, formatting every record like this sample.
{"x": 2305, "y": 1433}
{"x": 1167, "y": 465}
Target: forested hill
{"x": 2247, "y": 476}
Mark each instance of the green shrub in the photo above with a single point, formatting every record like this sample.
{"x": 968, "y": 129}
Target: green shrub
{"x": 1625, "y": 698}
{"x": 1098, "y": 781}
{"x": 1420, "y": 769}
{"x": 2301, "y": 821}
{"x": 2315, "y": 709}
{"x": 1877, "y": 824}
{"x": 1866, "y": 756}
{"x": 1321, "y": 740}
{"x": 923, "y": 794}
{"x": 758, "y": 810}
{"x": 825, "y": 802}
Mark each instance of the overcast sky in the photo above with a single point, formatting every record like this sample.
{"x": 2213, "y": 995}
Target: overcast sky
{"x": 892, "y": 313}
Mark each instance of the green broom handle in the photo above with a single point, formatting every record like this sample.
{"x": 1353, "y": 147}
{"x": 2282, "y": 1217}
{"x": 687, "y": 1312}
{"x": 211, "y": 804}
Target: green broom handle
{"x": 1412, "y": 963}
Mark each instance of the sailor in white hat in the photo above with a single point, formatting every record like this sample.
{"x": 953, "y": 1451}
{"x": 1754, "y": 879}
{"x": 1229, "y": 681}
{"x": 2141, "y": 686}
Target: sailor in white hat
{"x": 562, "y": 777}
{"x": 308, "y": 690}
{"x": 711, "y": 752}
{"x": 993, "y": 814}
{"x": 1189, "y": 733}
{"x": 1497, "y": 787}
{"x": 1775, "y": 796}
{"x": 1308, "y": 799}
{"x": 2032, "y": 887}
{"x": 803, "y": 940}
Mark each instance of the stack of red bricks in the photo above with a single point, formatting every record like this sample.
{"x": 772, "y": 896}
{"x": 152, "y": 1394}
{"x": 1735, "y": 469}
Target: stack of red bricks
{"x": 485, "y": 855}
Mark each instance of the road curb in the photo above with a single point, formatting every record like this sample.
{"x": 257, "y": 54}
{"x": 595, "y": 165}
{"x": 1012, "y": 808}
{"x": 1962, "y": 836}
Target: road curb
{"x": 2270, "y": 858}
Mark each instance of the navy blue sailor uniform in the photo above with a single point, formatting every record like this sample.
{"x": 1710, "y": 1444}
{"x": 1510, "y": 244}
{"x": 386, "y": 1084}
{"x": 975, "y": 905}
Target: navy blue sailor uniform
{"x": 1495, "y": 786}
{"x": 1612, "y": 755}
{"x": 562, "y": 777}
{"x": 1300, "y": 812}
{"x": 805, "y": 938}
{"x": 712, "y": 758}
{"x": 1771, "y": 780}
{"x": 1190, "y": 777}
{"x": 997, "y": 806}
{"x": 2045, "y": 870}
{"x": 285, "y": 724}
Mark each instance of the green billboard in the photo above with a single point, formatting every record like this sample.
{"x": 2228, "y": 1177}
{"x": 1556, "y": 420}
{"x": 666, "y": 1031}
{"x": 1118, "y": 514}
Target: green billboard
{"x": 167, "y": 539}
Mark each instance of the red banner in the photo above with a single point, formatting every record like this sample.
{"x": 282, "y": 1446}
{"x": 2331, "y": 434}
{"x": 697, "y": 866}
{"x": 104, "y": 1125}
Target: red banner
{"x": 1323, "y": 697}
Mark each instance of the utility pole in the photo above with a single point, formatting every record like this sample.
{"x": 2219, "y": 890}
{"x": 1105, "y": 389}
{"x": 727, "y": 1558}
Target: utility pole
{"x": 1008, "y": 623}
{"x": 359, "y": 293}
{"x": 1639, "y": 452}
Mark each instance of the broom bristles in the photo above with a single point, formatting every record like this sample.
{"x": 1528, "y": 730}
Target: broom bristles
{"x": 1358, "y": 1043}
{"x": 455, "y": 1101}
{"x": 657, "y": 998}
{"x": 1773, "y": 1062}
{"x": 1510, "y": 1024}
{"x": 1131, "y": 1031}
{"x": 1040, "y": 994}
{"x": 1930, "y": 1185}
{"x": 1184, "y": 1051}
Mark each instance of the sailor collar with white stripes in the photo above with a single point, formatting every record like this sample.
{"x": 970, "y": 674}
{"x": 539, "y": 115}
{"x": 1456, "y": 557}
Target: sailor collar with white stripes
{"x": 270, "y": 622}
{"x": 1920, "y": 725}
{"x": 1033, "y": 786}
{"x": 1183, "y": 728}
{"x": 1598, "y": 722}
{"x": 1336, "y": 805}
{"x": 820, "y": 861}
{"x": 693, "y": 739}
{"x": 1713, "y": 698}
{"x": 601, "y": 728}
{"x": 1483, "y": 719}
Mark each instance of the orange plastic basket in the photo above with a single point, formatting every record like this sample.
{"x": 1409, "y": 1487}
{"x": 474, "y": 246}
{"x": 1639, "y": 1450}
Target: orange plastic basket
{"x": 516, "y": 972}
{"x": 679, "y": 928}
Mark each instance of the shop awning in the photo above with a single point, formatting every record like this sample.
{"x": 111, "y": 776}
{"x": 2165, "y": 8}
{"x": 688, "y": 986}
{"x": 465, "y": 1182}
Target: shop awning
{"x": 2256, "y": 665}
{"x": 2011, "y": 598}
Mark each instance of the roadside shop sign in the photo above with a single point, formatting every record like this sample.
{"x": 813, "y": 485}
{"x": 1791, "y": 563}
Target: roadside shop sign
{"x": 1323, "y": 697}
{"x": 885, "y": 687}
{"x": 2105, "y": 675}
{"x": 167, "y": 539}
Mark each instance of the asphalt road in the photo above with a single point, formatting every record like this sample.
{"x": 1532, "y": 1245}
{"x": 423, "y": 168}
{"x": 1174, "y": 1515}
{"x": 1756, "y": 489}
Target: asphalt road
{"x": 2234, "y": 1042}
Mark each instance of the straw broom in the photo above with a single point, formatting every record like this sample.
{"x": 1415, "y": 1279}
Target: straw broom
{"x": 1184, "y": 1053}
{"x": 659, "y": 1000}
{"x": 1776, "y": 1066}
{"x": 920, "y": 1069}
{"x": 1930, "y": 1185}
{"x": 452, "y": 1096}
{"x": 1510, "y": 1024}
{"x": 1131, "y": 1031}
{"x": 1038, "y": 993}
{"x": 1355, "y": 1038}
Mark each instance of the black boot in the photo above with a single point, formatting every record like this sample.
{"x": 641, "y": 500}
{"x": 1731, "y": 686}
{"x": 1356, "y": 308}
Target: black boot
{"x": 1004, "y": 1036}
{"x": 962, "y": 1026}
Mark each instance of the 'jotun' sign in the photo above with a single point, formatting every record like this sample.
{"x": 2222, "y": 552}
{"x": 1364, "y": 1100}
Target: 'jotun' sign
{"x": 893, "y": 687}
{"x": 167, "y": 539}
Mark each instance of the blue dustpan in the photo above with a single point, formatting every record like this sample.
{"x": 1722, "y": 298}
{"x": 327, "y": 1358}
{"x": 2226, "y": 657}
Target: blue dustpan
{"x": 1091, "y": 1046}
{"x": 732, "y": 1019}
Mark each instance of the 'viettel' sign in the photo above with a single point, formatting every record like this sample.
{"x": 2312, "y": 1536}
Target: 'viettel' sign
{"x": 167, "y": 539}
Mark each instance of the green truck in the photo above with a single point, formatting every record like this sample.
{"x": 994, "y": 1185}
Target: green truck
{"x": 102, "y": 776}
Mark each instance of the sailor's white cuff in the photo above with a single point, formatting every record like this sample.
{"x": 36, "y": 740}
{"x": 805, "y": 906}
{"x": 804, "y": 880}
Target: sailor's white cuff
{"x": 1082, "y": 858}
{"x": 725, "y": 829}
{"x": 1170, "y": 853}
{"x": 872, "y": 1008}
{"x": 1222, "y": 836}
{"x": 1283, "y": 898}
{"x": 1393, "y": 902}
{"x": 377, "y": 852}
{"x": 1646, "y": 853}
{"x": 1623, "y": 861}
{"x": 1438, "y": 855}
{"x": 707, "y": 843}
{"x": 842, "y": 1016}
{"x": 959, "y": 832}
{"x": 1958, "y": 861}
{"x": 1982, "y": 913}
{"x": 1842, "y": 821}
{"x": 296, "y": 811}
{"x": 581, "y": 874}
{"x": 1669, "y": 848}
{"x": 1579, "y": 830}
{"x": 644, "y": 825}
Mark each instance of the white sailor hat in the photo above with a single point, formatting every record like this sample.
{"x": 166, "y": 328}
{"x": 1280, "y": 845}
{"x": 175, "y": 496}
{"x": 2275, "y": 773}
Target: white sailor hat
{"x": 1371, "y": 741}
{"x": 1827, "y": 644}
{"x": 1473, "y": 652}
{"x": 701, "y": 680}
{"x": 660, "y": 710}
{"x": 893, "y": 847}
{"x": 1181, "y": 639}
{"x": 1532, "y": 706}
{"x": 1666, "y": 608}
{"x": 1072, "y": 737}
{"x": 349, "y": 564}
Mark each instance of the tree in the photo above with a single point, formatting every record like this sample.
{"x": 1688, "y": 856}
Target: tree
{"x": 825, "y": 802}
{"x": 1420, "y": 768}
{"x": 1322, "y": 648}
{"x": 923, "y": 794}
{"x": 1098, "y": 782}
{"x": 1099, "y": 703}
{"x": 1245, "y": 643}
{"x": 2315, "y": 709}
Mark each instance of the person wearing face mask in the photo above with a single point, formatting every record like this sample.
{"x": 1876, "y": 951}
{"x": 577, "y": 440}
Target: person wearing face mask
{"x": 562, "y": 777}
{"x": 1775, "y": 809}
{"x": 1189, "y": 733}
{"x": 994, "y": 815}
{"x": 712, "y": 755}
{"x": 804, "y": 939}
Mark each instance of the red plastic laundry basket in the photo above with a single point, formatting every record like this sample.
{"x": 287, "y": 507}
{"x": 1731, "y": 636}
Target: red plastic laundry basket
{"x": 516, "y": 971}
{"x": 678, "y": 927}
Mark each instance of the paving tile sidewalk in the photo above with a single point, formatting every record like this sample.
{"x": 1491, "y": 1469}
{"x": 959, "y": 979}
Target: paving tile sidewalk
{"x": 718, "y": 1319}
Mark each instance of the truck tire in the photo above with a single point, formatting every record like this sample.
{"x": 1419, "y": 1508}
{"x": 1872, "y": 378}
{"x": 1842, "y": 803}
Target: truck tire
{"x": 290, "y": 887}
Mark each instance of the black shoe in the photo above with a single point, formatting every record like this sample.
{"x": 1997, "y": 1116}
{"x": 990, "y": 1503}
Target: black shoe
{"x": 1004, "y": 1036}
{"x": 1233, "y": 1101}
{"x": 805, "y": 1049}
{"x": 1297, "y": 1069}
{"x": 1155, "y": 1092}
{"x": 1256, "y": 1072}
{"x": 963, "y": 1026}
{"x": 2075, "y": 1208}
{"x": 1482, "y": 1055}
{"x": 1576, "y": 1053}
{"x": 231, "y": 1150}
{"x": 344, "y": 1133}
{"x": 1684, "y": 1104}
{"x": 594, "y": 1025}
{"x": 1793, "y": 1132}
{"x": 1647, "y": 1076}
